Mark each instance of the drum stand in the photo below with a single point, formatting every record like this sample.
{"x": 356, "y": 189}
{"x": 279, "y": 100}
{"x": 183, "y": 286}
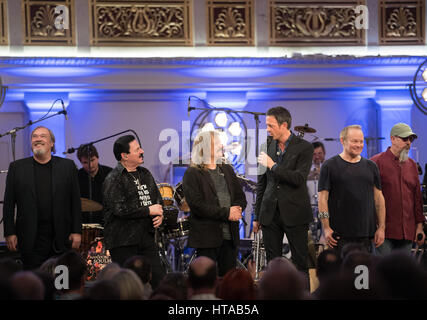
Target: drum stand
{"x": 163, "y": 254}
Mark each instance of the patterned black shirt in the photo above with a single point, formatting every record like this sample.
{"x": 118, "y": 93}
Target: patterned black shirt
{"x": 127, "y": 198}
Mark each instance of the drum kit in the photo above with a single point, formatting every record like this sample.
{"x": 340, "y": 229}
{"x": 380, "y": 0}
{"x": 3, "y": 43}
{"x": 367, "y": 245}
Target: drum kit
{"x": 171, "y": 237}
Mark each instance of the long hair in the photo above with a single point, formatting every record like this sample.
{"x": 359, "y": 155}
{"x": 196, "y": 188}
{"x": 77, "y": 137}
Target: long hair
{"x": 202, "y": 148}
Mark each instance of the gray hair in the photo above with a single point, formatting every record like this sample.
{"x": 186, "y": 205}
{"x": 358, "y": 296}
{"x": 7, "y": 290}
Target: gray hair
{"x": 344, "y": 132}
{"x": 202, "y": 148}
{"x": 52, "y": 136}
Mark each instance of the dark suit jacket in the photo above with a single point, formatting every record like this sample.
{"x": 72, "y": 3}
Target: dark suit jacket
{"x": 20, "y": 191}
{"x": 286, "y": 185}
{"x": 207, "y": 216}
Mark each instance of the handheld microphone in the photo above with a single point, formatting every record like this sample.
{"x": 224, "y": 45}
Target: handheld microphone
{"x": 64, "y": 111}
{"x": 419, "y": 237}
{"x": 188, "y": 109}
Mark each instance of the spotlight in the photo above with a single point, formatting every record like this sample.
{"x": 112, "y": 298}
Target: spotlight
{"x": 425, "y": 75}
{"x": 223, "y": 138}
{"x": 425, "y": 94}
{"x": 208, "y": 127}
{"x": 221, "y": 119}
{"x": 235, "y": 129}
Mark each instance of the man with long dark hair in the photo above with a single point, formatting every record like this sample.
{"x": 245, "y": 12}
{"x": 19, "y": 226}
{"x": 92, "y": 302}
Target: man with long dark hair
{"x": 133, "y": 208}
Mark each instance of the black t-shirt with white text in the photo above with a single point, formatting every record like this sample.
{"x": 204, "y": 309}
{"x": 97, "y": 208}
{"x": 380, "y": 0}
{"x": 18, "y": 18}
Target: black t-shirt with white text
{"x": 351, "y": 195}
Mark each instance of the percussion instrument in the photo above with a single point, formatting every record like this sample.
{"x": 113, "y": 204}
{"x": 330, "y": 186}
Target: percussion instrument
{"x": 90, "y": 205}
{"x": 166, "y": 191}
{"x": 90, "y": 232}
{"x": 97, "y": 258}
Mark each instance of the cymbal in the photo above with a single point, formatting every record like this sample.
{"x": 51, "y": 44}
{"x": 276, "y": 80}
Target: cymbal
{"x": 305, "y": 129}
{"x": 90, "y": 205}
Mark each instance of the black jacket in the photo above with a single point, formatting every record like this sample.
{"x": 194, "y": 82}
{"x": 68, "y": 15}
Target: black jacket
{"x": 124, "y": 219}
{"x": 21, "y": 191}
{"x": 286, "y": 185}
{"x": 206, "y": 215}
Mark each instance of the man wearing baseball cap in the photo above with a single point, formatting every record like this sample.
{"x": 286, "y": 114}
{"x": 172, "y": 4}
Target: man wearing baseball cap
{"x": 402, "y": 192}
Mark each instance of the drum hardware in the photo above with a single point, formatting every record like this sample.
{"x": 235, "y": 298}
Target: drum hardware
{"x": 180, "y": 198}
{"x": 258, "y": 255}
{"x": 246, "y": 183}
{"x": 304, "y": 129}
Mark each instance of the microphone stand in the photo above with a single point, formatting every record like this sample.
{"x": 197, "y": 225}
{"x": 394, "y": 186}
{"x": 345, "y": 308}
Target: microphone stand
{"x": 89, "y": 144}
{"x": 13, "y": 132}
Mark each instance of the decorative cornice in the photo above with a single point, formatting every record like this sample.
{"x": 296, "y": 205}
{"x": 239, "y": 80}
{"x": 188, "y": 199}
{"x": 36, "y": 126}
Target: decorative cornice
{"x": 217, "y": 62}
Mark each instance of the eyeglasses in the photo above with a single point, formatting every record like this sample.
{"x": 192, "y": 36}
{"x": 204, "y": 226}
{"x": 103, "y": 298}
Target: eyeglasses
{"x": 410, "y": 138}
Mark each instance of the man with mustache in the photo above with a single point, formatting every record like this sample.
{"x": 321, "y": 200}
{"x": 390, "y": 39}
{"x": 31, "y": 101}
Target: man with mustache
{"x": 45, "y": 191}
{"x": 132, "y": 208}
{"x": 351, "y": 204}
{"x": 402, "y": 192}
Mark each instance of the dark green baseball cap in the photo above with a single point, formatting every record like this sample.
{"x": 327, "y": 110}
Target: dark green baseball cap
{"x": 402, "y": 130}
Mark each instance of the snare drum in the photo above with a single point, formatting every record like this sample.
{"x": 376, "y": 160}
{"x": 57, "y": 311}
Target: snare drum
{"x": 166, "y": 192}
{"x": 90, "y": 232}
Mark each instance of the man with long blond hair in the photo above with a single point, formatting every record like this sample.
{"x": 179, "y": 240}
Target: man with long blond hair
{"x": 216, "y": 200}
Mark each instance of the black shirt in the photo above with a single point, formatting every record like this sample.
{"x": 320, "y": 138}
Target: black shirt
{"x": 97, "y": 182}
{"x": 351, "y": 195}
{"x": 43, "y": 184}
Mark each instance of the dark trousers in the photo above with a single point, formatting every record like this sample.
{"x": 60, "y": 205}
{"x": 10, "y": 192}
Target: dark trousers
{"x": 148, "y": 249}
{"x": 43, "y": 248}
{"x": 225, "y": 256}
{"x": 297, "y": 237}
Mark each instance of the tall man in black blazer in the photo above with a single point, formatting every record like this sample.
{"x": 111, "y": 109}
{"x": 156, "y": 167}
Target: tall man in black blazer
{"x": 282, "y": 202}
{"x": 45, "y": 191}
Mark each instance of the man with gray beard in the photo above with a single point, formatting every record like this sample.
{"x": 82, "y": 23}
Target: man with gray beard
{"x": 402, "y": 192}
{"x": 45, "y": 191}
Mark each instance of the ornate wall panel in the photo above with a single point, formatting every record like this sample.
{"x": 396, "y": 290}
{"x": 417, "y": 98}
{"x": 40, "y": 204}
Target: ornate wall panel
{"x": 313, "y": 23}
{"x": 149, "y": 23}
{"x": 401, "y": 22}
{"x": 230, "y": 22}
{"x": 3, "y": 23}
{"x": 41, "y": 22}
